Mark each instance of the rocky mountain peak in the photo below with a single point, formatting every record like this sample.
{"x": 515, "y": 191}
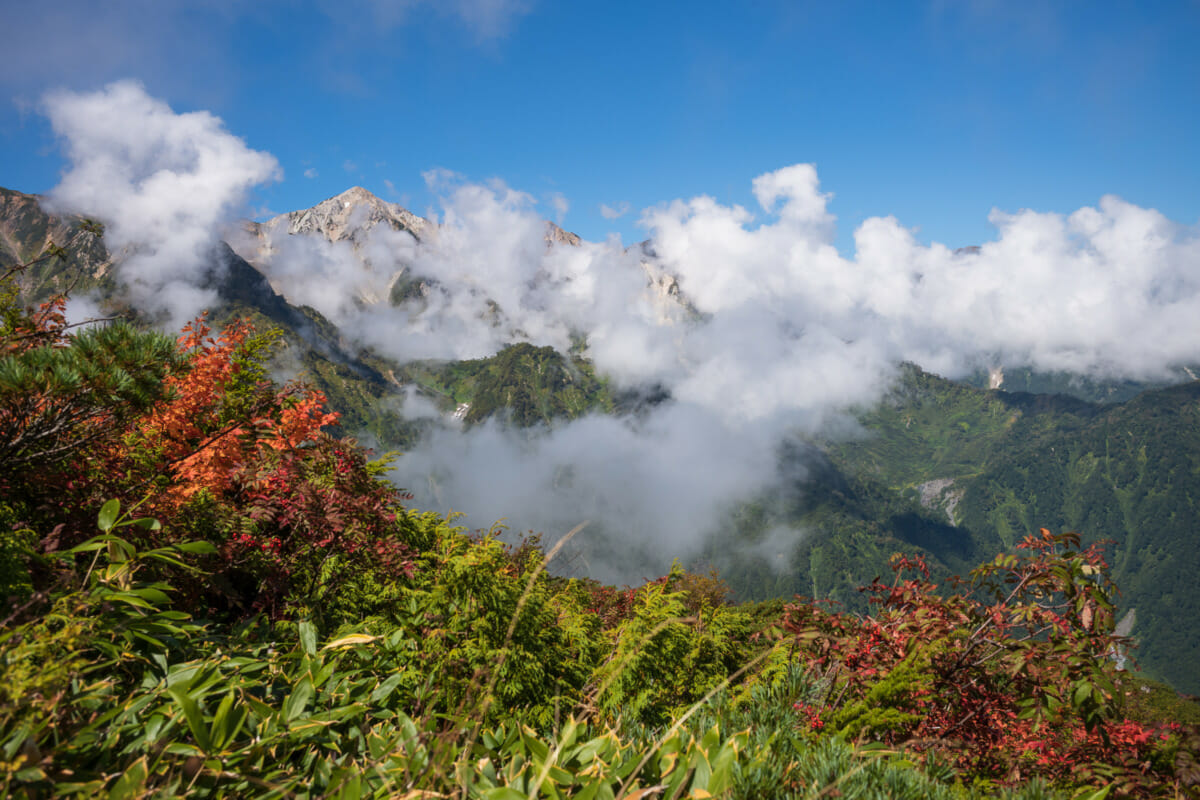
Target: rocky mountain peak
{"x": 350, "y": 216}
{"x": 344, "y": 215}
{"x": 556, "y": 235}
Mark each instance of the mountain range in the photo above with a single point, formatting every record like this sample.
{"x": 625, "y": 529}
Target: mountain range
{"x": 957, "y": 470}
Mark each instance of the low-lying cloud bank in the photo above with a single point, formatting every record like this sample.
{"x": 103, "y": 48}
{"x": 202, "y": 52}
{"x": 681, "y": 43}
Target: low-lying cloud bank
{"x": 781, "y": 333}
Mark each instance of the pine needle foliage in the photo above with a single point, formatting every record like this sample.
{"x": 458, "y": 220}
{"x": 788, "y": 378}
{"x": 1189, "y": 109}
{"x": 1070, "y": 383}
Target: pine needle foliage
{"x": 58, "y": 397}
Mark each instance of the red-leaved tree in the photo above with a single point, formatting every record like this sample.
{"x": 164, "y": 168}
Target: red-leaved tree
{"x": 1009, "y": 676}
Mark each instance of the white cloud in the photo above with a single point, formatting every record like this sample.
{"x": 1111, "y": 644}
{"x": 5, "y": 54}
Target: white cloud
{"x": 311, "y": 172}
{"x": 1112, "y": 290}
{"x": 162, "y": 183}
{"x": 560, "y": 205}
{"x": 614, "y": 212}
{"x": 489, "y": 247}
{"x": 784, "y": 333}
{"x": 655, "y": 485}
{"x": 790, "y": 334}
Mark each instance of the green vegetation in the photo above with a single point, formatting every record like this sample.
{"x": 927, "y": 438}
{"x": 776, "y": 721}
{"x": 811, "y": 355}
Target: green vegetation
{"x": 832, "y": 532}
{"x": 927, "y": 428}
{"x": 212, "y": 595}
{"x": 66, "y": 254}
{"x": 1092, "y": 390}
{"x": 1124, "y": 472}
{"x": 1128, "y": 475}
{"x": 527, "y": 385}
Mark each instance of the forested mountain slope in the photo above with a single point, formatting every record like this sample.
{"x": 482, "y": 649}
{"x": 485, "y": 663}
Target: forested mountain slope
{"x": 1002, "y": 465}
{"x": 209, "y": 595}
{"x": 1094, "y": 390}
{"x": 946, "y": 469}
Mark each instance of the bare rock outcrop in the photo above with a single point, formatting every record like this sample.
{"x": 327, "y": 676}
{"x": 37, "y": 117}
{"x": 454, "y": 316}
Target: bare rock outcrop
{"x": 941, "y": 493}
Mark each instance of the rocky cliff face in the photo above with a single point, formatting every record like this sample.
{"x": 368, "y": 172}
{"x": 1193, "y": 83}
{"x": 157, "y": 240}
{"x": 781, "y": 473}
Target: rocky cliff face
{"x": 26, "y": 230}
{"x": 357, "y": 235}
{"x": 350, "y": 216}
{"x": 671, "y": 304}
{"x": 556, "y": 235}
{"x": 355, "y": 216}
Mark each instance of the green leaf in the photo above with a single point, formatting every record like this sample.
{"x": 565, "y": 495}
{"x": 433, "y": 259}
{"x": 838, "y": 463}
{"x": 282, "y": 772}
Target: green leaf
{"x": 228, "y": 720}
{"x": 196, "y": 547}
{"x": 131, "y": 598}
{"x": 108, "y": 515}
{"x": 131, "y": 781}
{"x": 504, "y": 793}
{"x": 591, "y": 789}
{"x": 722, "y": 768}
{"x": 90, "y": 546}
{"x": 31, "y": 774}
{"x": 385, "y": 689}
{"x": 308, "y": 638}
{"x": 195, "y": 719}
{"x": 152, "y": 594}
{"x": 297, "y": 700}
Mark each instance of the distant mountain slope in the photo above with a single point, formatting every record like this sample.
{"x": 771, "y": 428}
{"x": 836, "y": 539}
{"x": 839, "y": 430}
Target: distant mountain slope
{"x": 945, "y": 468}
{"x": 356, "y": 383}
{"x": 829, "y": 531}
{"x": 25, "y": 233}
{"x": 1093, "y": 390}
{"x": 527, "y": 385}
{"x": 359, "y": 231}
{"x": 1002, "y": 465}
{"x": 1130, "y": 474}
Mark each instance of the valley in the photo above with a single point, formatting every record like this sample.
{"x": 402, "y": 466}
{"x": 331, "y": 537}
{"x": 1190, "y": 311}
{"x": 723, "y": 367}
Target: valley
{"x": 938, "y": 467}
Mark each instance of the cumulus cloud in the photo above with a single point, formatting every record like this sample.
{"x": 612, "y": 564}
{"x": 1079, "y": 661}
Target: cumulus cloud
{"x": 1110, "y": 291}
{"x": 786, "y": 334}
{"x": 750, "y": 319}
{"x": 311, "y": 172}
{"x": 161, "y": 182}
{"x": 490, "y": 277}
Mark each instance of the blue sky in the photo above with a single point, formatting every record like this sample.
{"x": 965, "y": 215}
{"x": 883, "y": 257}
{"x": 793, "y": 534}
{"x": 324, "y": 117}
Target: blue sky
{"x": 934, "y": 112}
